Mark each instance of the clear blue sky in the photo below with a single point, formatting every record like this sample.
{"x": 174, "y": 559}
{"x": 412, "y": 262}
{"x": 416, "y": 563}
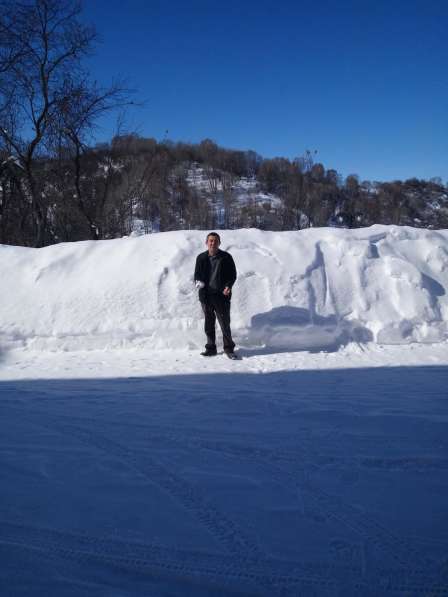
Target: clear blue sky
{"x": 363, "y": 82}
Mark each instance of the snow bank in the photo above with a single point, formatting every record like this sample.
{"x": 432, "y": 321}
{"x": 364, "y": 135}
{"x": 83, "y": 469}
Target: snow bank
{"x": 312, "y": 289}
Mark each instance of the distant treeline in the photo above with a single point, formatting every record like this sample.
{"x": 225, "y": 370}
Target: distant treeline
{"x": 134, "y": 182}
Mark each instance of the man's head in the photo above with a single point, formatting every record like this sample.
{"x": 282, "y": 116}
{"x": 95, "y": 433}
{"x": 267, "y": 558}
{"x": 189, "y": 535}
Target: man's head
{"x": 212, "y": 241}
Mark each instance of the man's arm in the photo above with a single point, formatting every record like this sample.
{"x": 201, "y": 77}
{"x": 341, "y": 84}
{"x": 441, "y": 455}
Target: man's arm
{"x": 197, "y": 270}
{"x": 230, "y": 275}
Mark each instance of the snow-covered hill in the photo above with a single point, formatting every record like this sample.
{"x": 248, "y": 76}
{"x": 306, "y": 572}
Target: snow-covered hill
{"x": 309, "y": 289}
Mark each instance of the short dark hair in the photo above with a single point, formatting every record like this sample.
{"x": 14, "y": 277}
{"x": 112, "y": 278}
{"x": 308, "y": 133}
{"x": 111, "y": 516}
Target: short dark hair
{"x": 213, "y": 234}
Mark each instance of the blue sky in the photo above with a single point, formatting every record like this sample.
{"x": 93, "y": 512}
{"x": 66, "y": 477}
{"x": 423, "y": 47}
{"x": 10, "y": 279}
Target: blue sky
{"x": 364, "y": 83}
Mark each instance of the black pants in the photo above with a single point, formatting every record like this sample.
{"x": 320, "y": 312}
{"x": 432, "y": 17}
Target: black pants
{"x": 217, "y": 306}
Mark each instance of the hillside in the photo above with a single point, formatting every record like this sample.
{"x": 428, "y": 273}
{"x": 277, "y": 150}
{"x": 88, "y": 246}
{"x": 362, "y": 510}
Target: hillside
{"x": 137, "y": 185}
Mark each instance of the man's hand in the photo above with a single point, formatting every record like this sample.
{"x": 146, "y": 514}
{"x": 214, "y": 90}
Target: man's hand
{"x": 226, "y": 291}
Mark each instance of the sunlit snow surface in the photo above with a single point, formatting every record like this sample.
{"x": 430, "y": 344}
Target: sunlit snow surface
{"x": 316, "y": 465}
{"x": 310, "y": 289}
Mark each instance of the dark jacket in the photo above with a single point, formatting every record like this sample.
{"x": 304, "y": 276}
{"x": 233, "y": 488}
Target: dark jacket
{"x": 226, "y": 273}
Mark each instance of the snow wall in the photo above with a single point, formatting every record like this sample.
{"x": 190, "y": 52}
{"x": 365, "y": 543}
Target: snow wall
{"x": 313, "y": 289}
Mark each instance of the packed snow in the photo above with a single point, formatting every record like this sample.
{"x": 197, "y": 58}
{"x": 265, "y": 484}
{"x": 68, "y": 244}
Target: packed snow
{"x": 316, "y": 465}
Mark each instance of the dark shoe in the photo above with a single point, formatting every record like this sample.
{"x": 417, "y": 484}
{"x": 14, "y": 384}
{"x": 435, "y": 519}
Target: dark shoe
{"x": 209, "y": 353}
{"x": 232, "y": 356}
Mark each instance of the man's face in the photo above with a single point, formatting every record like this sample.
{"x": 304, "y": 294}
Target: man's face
{"x": 212, "y": 243}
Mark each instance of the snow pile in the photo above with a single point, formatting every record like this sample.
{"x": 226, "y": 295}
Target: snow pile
{"x": 313, "y": 289}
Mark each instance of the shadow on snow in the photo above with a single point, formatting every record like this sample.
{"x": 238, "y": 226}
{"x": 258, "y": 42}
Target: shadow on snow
{"x": 292, "y": 329}
{"x": 292, "y": 483}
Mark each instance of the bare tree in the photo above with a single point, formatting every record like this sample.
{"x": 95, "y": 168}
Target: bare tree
{"x": 44, "y": 92}
{"x": 80, "y": 106}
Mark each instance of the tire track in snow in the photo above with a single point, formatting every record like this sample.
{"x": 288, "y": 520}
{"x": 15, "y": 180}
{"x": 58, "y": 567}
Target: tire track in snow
{"x": 408, "y": 573}
{"x": 271, "y": 461}
{"x": 220, "y": 527}
{"x": 372, "y": 532}
{"x": 152, "y": 558}
{"x": 241, "y": 550}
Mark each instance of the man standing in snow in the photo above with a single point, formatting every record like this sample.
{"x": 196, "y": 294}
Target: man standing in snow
{"x": 215, "y": 274}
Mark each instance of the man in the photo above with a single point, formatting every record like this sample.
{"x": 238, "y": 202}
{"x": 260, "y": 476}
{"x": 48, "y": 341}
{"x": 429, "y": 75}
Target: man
{"x": 215, "y": 274}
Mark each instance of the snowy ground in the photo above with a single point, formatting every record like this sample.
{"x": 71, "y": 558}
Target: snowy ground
{"x": 139, "y": 473}
{"x": 130, "y": 471}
